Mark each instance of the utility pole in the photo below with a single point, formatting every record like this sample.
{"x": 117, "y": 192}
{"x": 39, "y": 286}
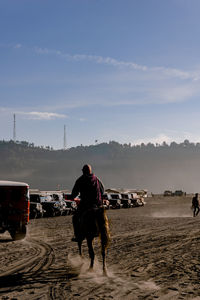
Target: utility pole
{"x": 64, "y": 144}
{"x": 14, "y": 129}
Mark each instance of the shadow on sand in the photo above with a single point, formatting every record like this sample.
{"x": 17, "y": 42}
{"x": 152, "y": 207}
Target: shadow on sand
{"x": 25, "y": 281}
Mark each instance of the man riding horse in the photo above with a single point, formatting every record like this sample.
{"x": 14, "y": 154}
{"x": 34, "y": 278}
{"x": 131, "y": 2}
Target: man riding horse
{"x": 91, "y": 191}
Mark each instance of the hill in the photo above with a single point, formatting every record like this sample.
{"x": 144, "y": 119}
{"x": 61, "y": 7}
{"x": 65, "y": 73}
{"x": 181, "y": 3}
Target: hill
{"x": 156, "y": 168}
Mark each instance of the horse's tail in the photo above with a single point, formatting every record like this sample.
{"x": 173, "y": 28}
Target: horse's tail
{"x": 103, "y": 226}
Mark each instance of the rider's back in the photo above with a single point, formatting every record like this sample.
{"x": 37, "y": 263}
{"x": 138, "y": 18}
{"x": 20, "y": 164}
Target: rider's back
{"x": 90, "y": 189}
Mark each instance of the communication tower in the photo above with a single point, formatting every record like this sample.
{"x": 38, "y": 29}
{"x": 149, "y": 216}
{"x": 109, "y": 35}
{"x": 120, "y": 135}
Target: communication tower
{"x": 65, "y": 143}
{"x": 14, "y": 129}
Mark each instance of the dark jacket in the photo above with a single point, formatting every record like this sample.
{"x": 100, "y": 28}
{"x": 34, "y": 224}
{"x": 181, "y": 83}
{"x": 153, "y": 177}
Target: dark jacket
{"x": 90, "y": 189}
{"x": 195, "y": 202}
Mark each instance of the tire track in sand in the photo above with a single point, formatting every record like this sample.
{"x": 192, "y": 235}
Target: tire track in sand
{"x": 29, "y": 267}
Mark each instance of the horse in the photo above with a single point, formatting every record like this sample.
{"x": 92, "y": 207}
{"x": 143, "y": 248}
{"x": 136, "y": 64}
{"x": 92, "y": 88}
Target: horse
{"x": 94, "y": 223}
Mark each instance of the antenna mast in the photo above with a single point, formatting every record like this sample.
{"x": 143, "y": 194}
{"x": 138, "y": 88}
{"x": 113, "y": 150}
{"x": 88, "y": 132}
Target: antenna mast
{"x": 64, "y": 144}
{"x": 14, "y": 129}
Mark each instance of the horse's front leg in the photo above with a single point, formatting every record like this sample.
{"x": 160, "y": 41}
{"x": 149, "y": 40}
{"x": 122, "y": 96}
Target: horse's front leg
{"x": 91, "y": 252}
{"x": 80, "y": 248}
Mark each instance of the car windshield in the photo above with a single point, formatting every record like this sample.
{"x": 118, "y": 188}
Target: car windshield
{"x": 34, "y": 198}
{"x": 45, "y": 198}
{"x": 115, "y": 196}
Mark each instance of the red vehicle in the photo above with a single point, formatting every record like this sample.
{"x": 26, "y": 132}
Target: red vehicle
{"x": 14, "y": 208}
{"x": 67, "y": 196}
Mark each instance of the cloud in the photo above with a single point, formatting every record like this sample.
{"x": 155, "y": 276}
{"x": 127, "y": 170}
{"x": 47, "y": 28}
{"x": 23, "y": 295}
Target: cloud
{"x": 92, "y": 58}
{"x": 11, "y": 46}
{"x": 176, "y": 136}
{"x": 132, "y": 84}
{"x": 186, "y": 135}
{"x": 3, "y": 109}
{"x": 34, "y": 115}
{"x": 159, "y": 139}
{"x": 169, "y": 72}
{"x": 173, "y": 93}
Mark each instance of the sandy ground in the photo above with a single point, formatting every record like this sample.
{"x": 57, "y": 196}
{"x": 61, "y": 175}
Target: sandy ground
{"x": 154, "y": 254}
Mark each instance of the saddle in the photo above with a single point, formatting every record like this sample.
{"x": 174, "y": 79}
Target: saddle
{"x": 89, "y": 221}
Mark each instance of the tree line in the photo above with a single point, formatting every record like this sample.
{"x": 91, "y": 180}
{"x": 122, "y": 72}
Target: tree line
{"x": 156, "y": 167}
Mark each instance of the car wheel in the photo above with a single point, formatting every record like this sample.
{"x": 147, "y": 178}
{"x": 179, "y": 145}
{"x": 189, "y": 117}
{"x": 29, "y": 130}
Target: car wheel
{"x": 18, "y": 234}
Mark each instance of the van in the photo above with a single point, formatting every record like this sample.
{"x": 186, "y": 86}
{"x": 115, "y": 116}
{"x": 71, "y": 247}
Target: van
{"x": 14, "y": 208}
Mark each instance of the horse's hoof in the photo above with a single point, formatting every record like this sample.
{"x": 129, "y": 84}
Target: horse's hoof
{"x": 105, "y": 273}
{"x": 90, "y": 269}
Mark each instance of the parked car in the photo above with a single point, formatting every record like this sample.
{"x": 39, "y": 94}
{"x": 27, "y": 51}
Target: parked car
{"x": 71, "y": 206}
{"x": 179, "y": 193}
{"x": 114, "y": 200}
{"x": 47, "y": 201}
{"x": 168, "y": 193}
{"x": 141, "y": 201}
{"x": 67, "y": 196}
{"x": 137, "y": 200}
{"x": 60, "y": 208}
{"x": 60, "y": 204}
{"x": 51, "y": 206}
{"x": 14, "y": 208}
{"x": 126, "y": 200}
{"x": 36, "y": 210}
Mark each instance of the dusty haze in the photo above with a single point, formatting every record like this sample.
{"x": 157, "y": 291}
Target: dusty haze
{"x": 154, "y": 168}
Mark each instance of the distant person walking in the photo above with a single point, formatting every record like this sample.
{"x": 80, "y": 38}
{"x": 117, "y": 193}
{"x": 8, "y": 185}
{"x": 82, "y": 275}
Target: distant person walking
{"x": 195, "y": 205}
{"x": 91, "y": 192}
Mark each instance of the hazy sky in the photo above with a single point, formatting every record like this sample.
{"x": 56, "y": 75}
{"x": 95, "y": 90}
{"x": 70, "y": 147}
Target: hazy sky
{"x": 123, "y": 70}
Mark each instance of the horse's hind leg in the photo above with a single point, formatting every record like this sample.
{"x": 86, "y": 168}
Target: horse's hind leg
{"x": 91, "y": 252}
{"x": 80, "y": 248}
{"x": 103, "y": 252}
